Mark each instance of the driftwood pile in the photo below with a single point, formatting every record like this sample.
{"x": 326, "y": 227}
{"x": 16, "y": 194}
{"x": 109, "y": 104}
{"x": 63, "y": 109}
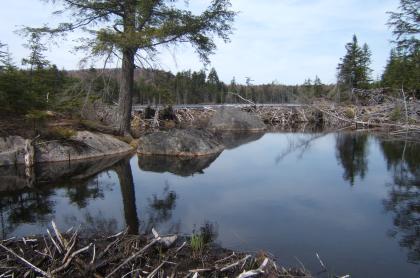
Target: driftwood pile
{"x": 122, "y": 255}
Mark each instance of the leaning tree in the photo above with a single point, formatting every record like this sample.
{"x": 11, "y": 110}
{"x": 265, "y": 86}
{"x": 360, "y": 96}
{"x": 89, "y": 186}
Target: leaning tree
{"x": 134, "y": 30}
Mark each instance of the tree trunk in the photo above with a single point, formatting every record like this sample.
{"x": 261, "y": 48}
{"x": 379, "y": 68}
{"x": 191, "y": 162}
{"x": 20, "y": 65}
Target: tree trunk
{"x": 126, "y": 89}
{"x": 125, "y": 100}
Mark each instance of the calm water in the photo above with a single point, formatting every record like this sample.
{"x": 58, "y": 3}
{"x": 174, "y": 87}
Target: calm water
{"x": 351, "y": 197}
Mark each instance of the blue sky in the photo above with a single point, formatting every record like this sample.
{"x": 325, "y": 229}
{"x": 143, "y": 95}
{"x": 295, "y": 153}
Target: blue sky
{"x": 285, "y": 41}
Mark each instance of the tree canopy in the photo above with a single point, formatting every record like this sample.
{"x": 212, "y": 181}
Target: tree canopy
{"x": 402, "y": 69}
{"x": 354, "y": 70}
{"x": 405, "y": 24}
{"x": 134, "y": 29}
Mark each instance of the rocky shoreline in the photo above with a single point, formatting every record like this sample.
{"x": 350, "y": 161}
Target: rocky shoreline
{"x": 196, "y": 132}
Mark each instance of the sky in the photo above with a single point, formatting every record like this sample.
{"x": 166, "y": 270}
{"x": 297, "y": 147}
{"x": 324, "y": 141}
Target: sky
{"x": 285, "y": 41}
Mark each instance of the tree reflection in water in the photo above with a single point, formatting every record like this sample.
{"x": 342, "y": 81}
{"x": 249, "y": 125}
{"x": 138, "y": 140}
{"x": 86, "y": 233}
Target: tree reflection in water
{"x": 93, "y": 224}
{"x": 159, "y": 210}
{"x": 351, "y": 152}
{"x": 404, "y": 194}
{"x": 29, "y": 206}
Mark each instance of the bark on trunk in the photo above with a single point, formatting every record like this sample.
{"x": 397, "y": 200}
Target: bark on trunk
{"x": 127, "y": 72}
{"x": 126, "y": 90}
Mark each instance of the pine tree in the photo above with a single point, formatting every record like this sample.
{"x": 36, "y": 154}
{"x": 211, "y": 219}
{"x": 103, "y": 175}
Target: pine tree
{"x": 136, "y": 28}
{"x": 3, "y": 53}
{"x": 36, "y": 59}
{"x": 318, "y": 86}
{"x": 402, "y": 70}
{"x": 354, "y": 71}
{"x": 405, "y": 25}
{"x": 403, "y": 67}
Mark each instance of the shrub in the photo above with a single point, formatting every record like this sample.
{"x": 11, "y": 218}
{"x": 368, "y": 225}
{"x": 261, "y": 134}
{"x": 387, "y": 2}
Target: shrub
{"x": 396, "y": 114}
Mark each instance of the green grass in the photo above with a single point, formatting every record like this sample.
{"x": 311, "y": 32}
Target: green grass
{"x": 197, "y": 244}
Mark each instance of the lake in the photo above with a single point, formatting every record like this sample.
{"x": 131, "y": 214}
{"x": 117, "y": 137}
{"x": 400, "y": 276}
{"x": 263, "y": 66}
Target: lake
{"x": 353, "y": 198}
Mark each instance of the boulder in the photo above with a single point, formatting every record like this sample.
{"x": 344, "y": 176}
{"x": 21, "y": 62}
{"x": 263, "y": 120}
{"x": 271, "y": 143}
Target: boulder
{"x": 179, "y": 142}
{"x": 84, "y": 144}
{"x": 233, "y": 119}
{"x": 12, "y": 150}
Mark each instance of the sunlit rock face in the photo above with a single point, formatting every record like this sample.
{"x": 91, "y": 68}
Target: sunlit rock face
{"x": 83, "y": 145}
{"x": 233, "y": 119}
{"x": 179, "y": 142}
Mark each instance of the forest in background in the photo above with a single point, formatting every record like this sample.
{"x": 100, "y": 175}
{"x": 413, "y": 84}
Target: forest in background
{"x": 37, "y": 84}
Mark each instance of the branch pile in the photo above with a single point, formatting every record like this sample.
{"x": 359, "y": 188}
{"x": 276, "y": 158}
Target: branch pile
{"x": 68, "y": 254}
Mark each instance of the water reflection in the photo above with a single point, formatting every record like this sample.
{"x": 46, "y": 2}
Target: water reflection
{"x": 351, "y": 151}
{"x": 293, "y": 208}
{"x": 32, "y": 206}
{"x": 232, "y": 140}
{"x": 181, "y": 166}
{"x": 23, "y": 202}
{"x": 159, "y": 211}
{"x": 404, "y": 194}
{"x": 125, "y": 177}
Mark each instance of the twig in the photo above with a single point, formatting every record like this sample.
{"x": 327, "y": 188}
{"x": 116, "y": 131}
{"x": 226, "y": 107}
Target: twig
{"x": 224, "y": 259}
{"x": 321, "y": 262}
{"x": 132, "y": 257}
{"x": 58, "y": 234}
{"x": 53, "y": 241}
{"x": 37, "y": 269}
{"x": 152, "y": 274}
{"x": 64, "y": 266}
{"x": 236, "y": 263}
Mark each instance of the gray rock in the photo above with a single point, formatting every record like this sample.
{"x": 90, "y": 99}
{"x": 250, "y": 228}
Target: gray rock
{"x": 233, "y": 119}
{"x": 12, "y": 150}
{"x": 83, "y": 145}
{"x": 179, "y": 142}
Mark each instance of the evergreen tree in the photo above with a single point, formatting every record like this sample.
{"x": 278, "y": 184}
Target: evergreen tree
{"x": 36, "y": 59}
{"x": 403, "y": 67}
{"x": 354, "y": 71}
{"x": 213, "y": 78}
{"x": 402, "y": 71}
{"x": 136, "y": 28}
{"x": 405, "y": 25}
{"x": 318, "y": 86}
{"x": 3, "y": 54}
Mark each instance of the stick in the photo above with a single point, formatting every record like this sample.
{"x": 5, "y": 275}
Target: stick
{"x": 53, "y": 241}
{"x": 132, "y": 257}
{"x": 37, "y": 269}
{"x": 236, "y": 263}
{"x": 64, "y": 266}
{"x": 224, "y": 259}
{"x": 155, "y": 270}
{"x": 182, "y": 246}
{"x": 321, "y": 262}
{"x": 58, "y": 234}
{"x": 94, "y": 253}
